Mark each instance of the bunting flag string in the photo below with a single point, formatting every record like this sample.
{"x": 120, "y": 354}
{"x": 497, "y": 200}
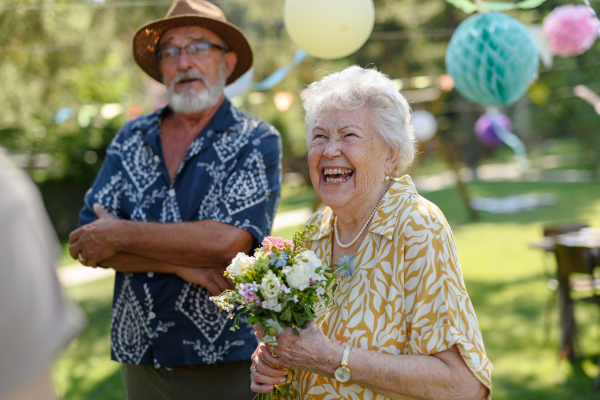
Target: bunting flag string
{"x": 246, "y": 82}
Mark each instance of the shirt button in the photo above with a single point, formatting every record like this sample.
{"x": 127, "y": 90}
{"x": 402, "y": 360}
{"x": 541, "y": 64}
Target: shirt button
{"x": 171, "y": 192}
{"x": 156, "y": 159}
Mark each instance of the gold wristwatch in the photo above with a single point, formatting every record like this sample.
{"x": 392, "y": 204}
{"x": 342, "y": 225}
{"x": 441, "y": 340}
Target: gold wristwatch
{"x": 342, "y": 373}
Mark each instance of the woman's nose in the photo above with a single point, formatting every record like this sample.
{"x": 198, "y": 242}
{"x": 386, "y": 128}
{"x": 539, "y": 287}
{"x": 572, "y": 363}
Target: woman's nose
{"x": 332, "y": 149}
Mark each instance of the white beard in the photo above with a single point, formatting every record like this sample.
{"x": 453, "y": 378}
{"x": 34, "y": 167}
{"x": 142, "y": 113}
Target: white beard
{"x": 188, "y": 101}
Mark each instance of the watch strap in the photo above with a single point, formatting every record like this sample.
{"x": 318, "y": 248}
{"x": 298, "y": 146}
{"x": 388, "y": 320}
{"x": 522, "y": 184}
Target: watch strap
{"x": 346, "y": 356}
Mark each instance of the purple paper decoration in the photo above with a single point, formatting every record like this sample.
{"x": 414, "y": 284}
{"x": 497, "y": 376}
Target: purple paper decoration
{"x": 485, "y": 130}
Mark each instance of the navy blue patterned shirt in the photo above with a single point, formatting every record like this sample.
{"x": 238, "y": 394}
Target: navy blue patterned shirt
{"x": 231, "y": 174}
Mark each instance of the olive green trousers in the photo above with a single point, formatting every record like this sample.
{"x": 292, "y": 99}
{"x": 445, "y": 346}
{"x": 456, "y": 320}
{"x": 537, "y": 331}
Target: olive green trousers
{"x": 227, "y": 381}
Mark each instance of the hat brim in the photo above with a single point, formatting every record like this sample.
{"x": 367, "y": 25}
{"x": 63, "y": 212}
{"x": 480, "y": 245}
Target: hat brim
{"x": 147, "y": 37}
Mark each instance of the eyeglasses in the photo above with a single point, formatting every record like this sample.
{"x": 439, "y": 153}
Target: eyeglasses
{"x": 197, "y": 51}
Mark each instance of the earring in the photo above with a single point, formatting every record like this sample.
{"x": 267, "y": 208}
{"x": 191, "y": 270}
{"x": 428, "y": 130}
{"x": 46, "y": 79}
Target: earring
{"x": 387, "y": 178}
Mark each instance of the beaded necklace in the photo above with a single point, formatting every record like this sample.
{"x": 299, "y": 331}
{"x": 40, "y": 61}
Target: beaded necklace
{"x": 335, "y": 228}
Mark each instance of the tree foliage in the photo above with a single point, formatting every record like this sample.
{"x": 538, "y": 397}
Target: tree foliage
{"x": 77, "y": 54}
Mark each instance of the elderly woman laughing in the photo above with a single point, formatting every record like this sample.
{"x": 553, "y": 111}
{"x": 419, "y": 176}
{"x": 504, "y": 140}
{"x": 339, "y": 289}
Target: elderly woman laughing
{"x": 401, "y": 324}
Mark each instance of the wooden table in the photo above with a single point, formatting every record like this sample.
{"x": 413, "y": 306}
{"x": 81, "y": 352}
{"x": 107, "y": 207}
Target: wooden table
{"x": 584, "y": 243}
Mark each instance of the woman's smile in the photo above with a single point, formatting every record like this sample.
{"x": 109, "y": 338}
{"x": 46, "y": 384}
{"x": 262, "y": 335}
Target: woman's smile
{"x": 336, "y": 175}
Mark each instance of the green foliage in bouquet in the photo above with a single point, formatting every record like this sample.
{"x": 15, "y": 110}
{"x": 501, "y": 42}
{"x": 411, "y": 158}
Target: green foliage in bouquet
{"x": 279, "y": 286}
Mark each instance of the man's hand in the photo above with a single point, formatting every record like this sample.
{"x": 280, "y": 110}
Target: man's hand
{"x": 90, "y": 244}
{"x": 211, "y": 278}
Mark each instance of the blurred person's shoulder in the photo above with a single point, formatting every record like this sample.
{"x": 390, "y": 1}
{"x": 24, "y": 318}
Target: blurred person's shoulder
{"x": 35, "y": 321}
{"x": 16, "y": 189}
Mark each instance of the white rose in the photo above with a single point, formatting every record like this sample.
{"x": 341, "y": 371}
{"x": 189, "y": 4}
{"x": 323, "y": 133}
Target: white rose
{"x": 300, "y": 274}
{"x": 270, "y": 286}
{"x": 240, "y": 264}
{"x": 311, "y": 258}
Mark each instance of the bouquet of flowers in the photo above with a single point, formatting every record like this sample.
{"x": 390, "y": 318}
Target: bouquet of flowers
{"x": 278, "y": 287}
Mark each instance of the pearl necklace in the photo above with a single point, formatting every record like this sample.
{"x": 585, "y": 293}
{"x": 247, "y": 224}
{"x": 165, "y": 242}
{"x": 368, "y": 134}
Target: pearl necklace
{"x": 337, "y": 236}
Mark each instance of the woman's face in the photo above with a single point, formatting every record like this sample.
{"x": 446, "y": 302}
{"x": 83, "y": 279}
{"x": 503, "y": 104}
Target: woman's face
{"x": 347, "y": 159}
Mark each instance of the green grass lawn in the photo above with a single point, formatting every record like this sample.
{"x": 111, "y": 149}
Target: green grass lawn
{"x": 507, "y": 282}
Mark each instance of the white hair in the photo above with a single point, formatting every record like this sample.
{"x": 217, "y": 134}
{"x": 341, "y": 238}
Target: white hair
{"x": 191, "y": 103}
{"x": 353, "y": 87}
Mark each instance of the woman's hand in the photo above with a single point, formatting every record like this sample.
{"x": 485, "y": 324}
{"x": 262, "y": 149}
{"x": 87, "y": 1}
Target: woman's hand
{"x": 264, "y": 374}
{"x": 312, "y": 351}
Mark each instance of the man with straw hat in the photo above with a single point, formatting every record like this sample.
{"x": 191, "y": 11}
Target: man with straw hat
{"x": 181, "y": 192}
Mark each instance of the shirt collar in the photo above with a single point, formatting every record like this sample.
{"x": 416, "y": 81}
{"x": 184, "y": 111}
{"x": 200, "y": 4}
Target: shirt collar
{"x": 384, "y": 220}
{"x": 324, "y": 225}
{"x": 224, "y": 121}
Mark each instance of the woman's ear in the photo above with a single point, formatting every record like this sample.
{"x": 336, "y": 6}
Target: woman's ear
{"x": 391, "y": 159}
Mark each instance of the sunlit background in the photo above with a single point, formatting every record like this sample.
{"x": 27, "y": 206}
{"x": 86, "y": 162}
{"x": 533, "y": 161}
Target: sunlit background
{"x": 69, "y": 82}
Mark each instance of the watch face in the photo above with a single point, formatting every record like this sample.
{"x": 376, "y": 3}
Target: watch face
{"x": 342, "y": 374}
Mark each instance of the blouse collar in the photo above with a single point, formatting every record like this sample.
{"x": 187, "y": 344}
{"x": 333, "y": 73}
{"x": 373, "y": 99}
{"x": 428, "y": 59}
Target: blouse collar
{"x": 384, "y": 220}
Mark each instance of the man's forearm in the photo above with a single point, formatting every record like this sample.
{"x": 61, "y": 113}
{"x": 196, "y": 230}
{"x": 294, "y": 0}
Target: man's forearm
{"x": 198, "y": 244}
{"x": 134, "y": 263}
{"x": 211, "y": 278}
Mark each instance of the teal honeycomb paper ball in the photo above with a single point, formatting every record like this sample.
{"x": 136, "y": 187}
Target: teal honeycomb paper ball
{"x": 492, "y": 58}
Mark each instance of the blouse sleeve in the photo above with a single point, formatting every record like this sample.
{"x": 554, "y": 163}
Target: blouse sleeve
{"x": 439, "y": 312}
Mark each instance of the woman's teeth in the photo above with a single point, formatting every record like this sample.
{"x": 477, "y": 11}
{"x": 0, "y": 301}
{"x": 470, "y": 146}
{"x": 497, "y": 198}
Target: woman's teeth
{"x": 340, "y": 172}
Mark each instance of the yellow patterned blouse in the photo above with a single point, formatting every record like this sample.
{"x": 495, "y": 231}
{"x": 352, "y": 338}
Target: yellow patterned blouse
{"x": 407, "y": 296}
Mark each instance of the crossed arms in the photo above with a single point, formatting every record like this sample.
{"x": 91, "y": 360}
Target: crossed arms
{"x": 197, "y": 251}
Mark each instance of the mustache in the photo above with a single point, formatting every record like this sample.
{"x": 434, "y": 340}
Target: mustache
{"x": 189, "y": 74}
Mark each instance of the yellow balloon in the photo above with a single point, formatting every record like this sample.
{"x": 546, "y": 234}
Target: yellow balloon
{"x": 329, "y": 29}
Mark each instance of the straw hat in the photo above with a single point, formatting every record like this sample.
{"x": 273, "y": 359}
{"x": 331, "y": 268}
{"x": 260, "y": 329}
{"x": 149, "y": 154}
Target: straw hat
{"x": 186, "y": 13}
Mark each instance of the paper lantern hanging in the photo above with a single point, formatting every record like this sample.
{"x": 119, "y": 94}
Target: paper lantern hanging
{"x": 500, "y": 125}
{"x": 424, "y": 124}
{"x": 486, "y": 130}
{"x": 571, "y": 30}
{"x": 329, "y": 29}
{"x": 492, "y": 58}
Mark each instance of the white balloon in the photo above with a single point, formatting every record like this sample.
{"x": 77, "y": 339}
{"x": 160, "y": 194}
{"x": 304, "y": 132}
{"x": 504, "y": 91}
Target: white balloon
{"x": 329, "y": 29}
{"x": 425, "y": 125}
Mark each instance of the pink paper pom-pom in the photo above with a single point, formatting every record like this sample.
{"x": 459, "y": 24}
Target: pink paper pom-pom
{"x": 571, "y": 30}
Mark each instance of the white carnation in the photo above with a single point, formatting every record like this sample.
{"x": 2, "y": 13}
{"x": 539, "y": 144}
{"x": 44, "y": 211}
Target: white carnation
{"x": 240, "y": 264}
{"x": 271, "y": 304}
